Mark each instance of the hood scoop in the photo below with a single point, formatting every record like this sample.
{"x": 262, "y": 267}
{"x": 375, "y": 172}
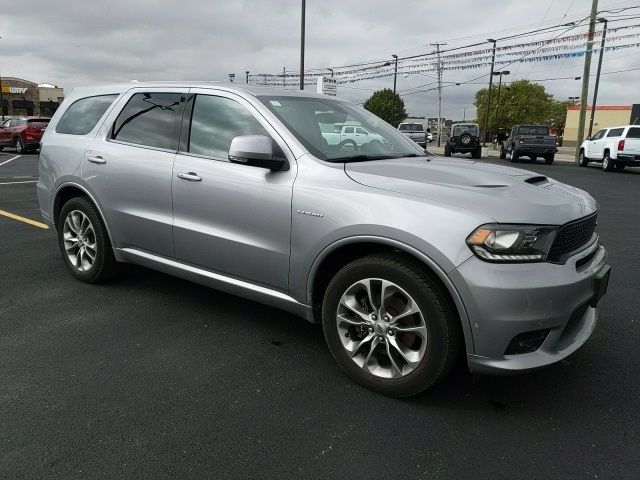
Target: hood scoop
{"x": 537, "y": 180}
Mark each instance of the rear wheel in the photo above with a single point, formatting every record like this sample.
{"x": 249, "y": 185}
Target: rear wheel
{"x": 84, "y": 242}
{"x": 548, "y": 159}
{"x": 607, "y": 164}
{"x": 533, "y": 158}
{"x": 503, "y": 154}
{"x": 477, "y": 152}
{"x": 389, "y": 325}
{"x": 447, "y": 151}
{"x": 19, "y": 145}
{"x": 583, "y": 161}
{"x": 514, "y": 155}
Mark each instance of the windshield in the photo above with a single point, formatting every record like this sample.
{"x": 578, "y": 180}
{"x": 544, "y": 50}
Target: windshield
{"x": 461, "y": 129}
{"x": 533, "y": 130}
{"x": 337, "y": 131}
{"x": 411, "y": 127}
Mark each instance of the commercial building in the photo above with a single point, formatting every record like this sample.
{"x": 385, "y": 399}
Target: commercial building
{"x": 606, "y": 116}
{"x": 21, "y": 97}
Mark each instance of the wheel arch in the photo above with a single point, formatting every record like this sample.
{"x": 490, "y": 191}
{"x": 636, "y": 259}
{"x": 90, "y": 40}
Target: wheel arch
{"x": 66, "y": 192}
{"x": 344, "y": 251}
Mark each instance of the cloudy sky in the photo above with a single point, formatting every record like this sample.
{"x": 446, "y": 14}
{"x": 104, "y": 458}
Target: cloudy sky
{"x": 72, "y": 43}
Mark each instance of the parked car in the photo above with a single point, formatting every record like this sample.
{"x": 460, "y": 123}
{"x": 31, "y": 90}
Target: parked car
{"x": 405, "y": 258}
{"x": 416, "y": 132}
{"x": 354, "y": 136}
{"x": 615, "y": 148}
{"x": 465, "y": 138}
{"x": 22, "y": 133}
{"x": 531, "y": 141}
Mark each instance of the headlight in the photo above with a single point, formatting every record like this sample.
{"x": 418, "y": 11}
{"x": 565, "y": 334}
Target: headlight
{"x": 512, "y": 243}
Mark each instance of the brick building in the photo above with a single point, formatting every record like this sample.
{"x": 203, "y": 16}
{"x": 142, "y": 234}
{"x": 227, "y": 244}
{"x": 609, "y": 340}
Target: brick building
{"x": 21, "y": 97}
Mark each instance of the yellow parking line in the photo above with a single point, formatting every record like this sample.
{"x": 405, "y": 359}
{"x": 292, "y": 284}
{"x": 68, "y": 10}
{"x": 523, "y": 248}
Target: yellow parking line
{"x": 23, "y": 219}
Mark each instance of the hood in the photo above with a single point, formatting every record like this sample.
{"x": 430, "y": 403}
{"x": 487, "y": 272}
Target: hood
{"x": 507, "y": 195}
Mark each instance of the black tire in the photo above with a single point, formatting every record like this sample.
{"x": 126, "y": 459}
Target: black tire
{"x": 607, "y": 164}
{"x": 548, "y": 159}
{"x": 447, "y": 151}
{"x": 1, "y": 147}
{"x": 443, "y": 328}
{"x": 503, "y": 154}
{"x": 477, "y": 152}
{"x": 346, "y": 142}
{"x": 514, "y": 155}
{"x": 582, "y": 160}
{"x": 533, "y": 158}
{"x": 105, "y": 265}
{"x": 19, "y": 144}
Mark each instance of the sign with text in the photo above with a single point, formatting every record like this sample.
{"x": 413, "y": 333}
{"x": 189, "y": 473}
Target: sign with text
{"x": 7, "y": 89}
{"x": 327, "y": 86}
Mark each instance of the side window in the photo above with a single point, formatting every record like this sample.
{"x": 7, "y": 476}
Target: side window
{"x": 361, "y": 131}
{"x": 615, "y": 132}
{"x": 150, "y": 119}
{"x": 633, "y": 133}
{"x": 215, "y": 121}
{"x": 348, "y": 130}
{"x": 83, "y": 114}
{"x": 598, "y": 135}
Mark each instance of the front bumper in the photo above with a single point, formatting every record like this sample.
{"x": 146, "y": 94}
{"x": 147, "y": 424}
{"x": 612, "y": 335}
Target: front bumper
{"x": 506, "y": 300}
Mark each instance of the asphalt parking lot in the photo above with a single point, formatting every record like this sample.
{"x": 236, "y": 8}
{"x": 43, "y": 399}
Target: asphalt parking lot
{"x": 149, "y": 376}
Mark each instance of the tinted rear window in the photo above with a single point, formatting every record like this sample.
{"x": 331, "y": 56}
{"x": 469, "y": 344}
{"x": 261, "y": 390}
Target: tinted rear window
{"x": 150, "y": 119}
{"x": 615, "y": 132}
{"x": 38, "y": 122}
{"x": 411, "y": 127}
{"x": 533, "y": 130}
{"x": 461, "y": 129}
{"x": 81, "y": 117}
{"x": 633, "y": 133}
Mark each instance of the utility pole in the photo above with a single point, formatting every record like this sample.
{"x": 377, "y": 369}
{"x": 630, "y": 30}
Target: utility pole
{"x": 595, "y": 89}
{"x": 246, "y": 76}
{"x": 585, "y": 77}
{"x": 395, "y": 78}
{"x": 464, "y": 114}
{"x": 302, "y": 46}
{"x": 486, "y": 117}
{"x": 437, "y": 45}
{"x": 284, "y": 81}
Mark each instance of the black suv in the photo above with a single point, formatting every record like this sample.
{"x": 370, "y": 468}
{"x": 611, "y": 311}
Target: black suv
{"x": 531, "y": 141}
{"x": 465, "y": 138}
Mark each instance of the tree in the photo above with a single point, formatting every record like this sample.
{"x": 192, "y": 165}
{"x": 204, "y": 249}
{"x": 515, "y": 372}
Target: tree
{"x": 521, "y": 102}
{"x": 381, "y": 104}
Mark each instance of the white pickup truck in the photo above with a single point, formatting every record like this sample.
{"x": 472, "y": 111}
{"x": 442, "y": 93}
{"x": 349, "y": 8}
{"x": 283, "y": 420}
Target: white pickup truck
{"x": 615, "y": 147}
{"x": 352, "y": 134}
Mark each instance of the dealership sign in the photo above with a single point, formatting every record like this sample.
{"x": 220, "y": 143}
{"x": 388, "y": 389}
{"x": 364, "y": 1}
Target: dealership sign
{"x": 327, "y": 85}
{"x": 6, "y": 89}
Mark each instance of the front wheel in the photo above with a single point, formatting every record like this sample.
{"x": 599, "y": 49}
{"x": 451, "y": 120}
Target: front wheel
{"x": 514, "y": 155}
{"x": 84, "y": 242}
{"x": 389, "y": 325}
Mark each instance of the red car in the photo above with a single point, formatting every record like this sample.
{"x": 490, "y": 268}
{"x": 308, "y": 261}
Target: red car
{"x": 22, "y": 133}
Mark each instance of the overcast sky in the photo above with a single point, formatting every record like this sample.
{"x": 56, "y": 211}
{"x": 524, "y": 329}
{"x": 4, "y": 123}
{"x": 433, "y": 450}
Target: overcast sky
{"x": 71, "y": 43}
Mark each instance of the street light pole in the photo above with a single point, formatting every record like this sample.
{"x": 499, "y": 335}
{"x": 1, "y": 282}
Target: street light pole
{"x": 585, "y": 78}
{"x": 395, "y": 78}
{"x": 595, "y": 89}
{"x": 302, "y": 45}
{"x": 486, "y": 116}
{"x": 437, "y": 45}
{"x": 246, "y": 78}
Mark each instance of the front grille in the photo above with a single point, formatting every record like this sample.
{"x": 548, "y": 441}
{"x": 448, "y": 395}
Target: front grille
{"x": 572, "y": 236}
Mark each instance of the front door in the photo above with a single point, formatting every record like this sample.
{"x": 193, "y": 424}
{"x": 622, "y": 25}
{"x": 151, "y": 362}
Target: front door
{"x": 596, "y": 145}
{"x": 129, "y": 166}
{"x": 229, "y": 218}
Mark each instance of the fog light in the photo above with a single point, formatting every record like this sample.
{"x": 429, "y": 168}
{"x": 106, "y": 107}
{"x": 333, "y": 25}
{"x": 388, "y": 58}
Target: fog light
{"x": 527, "y": 342}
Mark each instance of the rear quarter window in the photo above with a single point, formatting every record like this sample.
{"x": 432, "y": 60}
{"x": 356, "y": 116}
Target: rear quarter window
{"x": 633, "y": 132}
{"x": 83, "y": 114}
{"x": 615, "y": 132}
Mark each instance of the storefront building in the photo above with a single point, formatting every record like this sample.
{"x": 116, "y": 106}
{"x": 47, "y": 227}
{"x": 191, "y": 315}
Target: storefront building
{"x": 606, "y": 116}
{"x": 24, "y": 98}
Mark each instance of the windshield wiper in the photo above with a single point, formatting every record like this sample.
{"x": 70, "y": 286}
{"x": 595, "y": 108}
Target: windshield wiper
{"x": 365, "y": 158}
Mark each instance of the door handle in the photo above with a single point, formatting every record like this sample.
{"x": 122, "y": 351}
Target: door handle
{"x": 190, "y": 176}
{"x": 96, "y": 159}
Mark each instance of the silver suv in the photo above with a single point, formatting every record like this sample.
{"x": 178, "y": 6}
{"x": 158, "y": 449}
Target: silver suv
{"x": 404, "y": 258}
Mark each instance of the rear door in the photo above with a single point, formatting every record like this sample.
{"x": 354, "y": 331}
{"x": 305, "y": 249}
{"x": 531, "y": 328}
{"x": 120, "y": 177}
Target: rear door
{"x": 129, "y": 167}
{"x": 5, "y": 132}
{"x": 230, "y": 218}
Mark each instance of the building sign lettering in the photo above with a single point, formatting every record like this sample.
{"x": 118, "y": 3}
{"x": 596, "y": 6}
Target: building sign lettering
{"x": 7, "y": 89}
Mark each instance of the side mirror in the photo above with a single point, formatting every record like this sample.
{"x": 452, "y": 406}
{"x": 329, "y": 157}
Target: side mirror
{"x": 255, "y": 151}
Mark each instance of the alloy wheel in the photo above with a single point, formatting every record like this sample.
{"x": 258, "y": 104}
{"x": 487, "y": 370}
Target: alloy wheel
{"x": 79, "y": 240}
{"x": 381, "y": 328}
